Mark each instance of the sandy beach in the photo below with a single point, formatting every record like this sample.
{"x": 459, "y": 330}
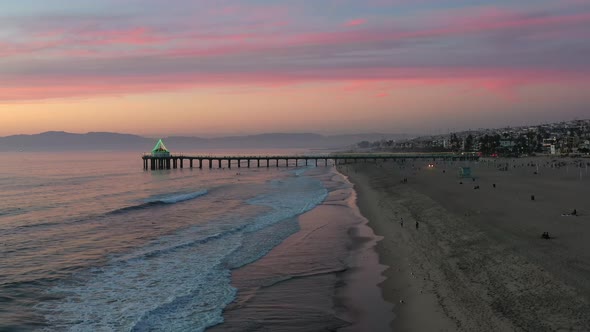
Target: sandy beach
{"x": 473, "y": 259}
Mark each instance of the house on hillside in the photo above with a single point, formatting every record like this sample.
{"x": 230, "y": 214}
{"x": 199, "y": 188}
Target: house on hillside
{"x": 507, "y": 143}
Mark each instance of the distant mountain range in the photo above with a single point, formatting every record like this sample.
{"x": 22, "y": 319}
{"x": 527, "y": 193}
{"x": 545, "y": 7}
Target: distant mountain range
{"x": 63, "y": 141}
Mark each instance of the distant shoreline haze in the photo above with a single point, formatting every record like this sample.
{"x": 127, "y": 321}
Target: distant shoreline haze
{"x": 96, "y": 141}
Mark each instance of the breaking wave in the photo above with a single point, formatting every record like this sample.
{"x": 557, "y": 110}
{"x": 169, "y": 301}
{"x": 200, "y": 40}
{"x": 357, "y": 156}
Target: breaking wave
{"x": 162, "y": 200}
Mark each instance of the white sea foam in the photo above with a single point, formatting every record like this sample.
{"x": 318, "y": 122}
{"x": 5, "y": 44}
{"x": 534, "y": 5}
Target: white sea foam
{"x": 126, "y": 295}
{"x": 288, "y": 199}
{"x": 177, "y": 198}
{"x": 181, "y": 282}
{"x": 301, "y": 171}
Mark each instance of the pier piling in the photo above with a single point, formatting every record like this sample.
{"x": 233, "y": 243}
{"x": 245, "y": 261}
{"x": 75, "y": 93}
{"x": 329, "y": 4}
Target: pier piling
{"x": 154, "y": 163}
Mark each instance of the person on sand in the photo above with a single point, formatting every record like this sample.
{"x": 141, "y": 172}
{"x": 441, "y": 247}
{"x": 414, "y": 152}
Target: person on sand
{"x": 574, "y": 213}
{"x": 402, "y": 222}
{"x": 417, "y": 225}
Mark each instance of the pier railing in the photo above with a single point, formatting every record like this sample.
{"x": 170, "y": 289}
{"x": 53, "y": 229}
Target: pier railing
{"x": 175, "y": 161}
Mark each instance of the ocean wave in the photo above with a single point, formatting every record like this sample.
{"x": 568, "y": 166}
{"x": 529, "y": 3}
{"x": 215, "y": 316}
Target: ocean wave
{"x": 177, "y": 198}
{"x": 179, "y": 290}
{"x": 323, "y": 272}
{"x": 287, "y": 200}
{"x": 161, "y": 200}
{"x": 181, "y": 281}
{"x": 153, "y": 202}
{"x": 171, "y": 316}
{"x": 172, "y": 244}
{"x": 12, "y": 211}
{"x": 301, "y": 171}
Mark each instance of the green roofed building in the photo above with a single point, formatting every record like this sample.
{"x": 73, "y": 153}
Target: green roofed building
{"x": 160, "y": 150}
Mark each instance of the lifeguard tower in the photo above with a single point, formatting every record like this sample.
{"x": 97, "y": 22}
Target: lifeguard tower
{"x": 160, "y": 150}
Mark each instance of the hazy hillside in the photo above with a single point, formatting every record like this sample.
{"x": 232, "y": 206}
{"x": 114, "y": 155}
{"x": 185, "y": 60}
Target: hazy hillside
{"x": 62, "y": 141}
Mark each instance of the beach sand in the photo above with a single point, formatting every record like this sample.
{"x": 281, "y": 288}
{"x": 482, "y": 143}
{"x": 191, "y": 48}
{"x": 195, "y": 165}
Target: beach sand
{"x": 477, "y": 261}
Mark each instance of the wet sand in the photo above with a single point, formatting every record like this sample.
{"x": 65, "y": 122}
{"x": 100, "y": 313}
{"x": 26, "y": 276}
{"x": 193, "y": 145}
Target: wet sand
{"x": 323, "y": 278}
{"x": 477, "y": 261}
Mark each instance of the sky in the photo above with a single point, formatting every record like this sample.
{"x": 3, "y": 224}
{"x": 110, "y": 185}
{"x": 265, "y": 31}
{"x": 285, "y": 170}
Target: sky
{"x": 219, "y": 67}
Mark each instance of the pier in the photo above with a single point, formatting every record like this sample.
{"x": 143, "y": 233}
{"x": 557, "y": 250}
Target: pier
{"x": 151, "y": 162}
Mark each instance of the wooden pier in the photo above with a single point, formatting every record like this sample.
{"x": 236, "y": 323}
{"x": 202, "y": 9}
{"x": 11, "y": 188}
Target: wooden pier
{"x": 181, "y": 161}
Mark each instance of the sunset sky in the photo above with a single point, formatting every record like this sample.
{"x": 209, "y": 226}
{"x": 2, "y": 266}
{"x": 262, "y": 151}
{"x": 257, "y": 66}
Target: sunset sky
{"x": 217, "y": 67}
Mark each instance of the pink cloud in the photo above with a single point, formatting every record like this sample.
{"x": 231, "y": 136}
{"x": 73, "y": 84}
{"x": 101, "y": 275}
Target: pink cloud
{"x": 133, "y": 36}
{"x": 355, "y": 22}
{"x": 24, "y": 48}
{"x": 251, "y": 12}
{"x": 488, "y": 22}
{"x": 70, "y": 42}
{"x": 255, "y": 42}
{"x": 497, "y": 80}
{"x": 512, "y": 21}
{"x": 188, "y": 43}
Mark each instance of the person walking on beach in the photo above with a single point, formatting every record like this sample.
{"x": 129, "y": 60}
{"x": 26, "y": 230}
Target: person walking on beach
{"x": 417, "y": 225}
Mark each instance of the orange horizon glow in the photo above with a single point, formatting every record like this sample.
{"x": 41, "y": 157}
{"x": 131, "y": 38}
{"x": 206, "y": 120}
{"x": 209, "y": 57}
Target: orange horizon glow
{"x": 246, "y": 67}
{"x": 403, "y": 108}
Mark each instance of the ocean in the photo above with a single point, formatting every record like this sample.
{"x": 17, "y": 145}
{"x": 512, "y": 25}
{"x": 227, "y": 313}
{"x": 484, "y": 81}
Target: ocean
{"x": 91, "y": 242}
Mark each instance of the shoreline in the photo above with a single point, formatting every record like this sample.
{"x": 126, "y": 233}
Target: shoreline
{"x": 398, "y": 288}
{"x": 476, "y": 261}
{"x": 362, "y": 294}
{"x": 324, "y": 277}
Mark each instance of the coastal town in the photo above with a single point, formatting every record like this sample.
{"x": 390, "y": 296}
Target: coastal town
{"x": 564, "y": 138}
